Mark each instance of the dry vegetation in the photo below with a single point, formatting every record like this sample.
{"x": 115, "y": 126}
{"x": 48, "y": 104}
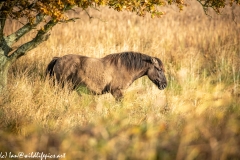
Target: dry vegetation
{"x": 196, "y": 117}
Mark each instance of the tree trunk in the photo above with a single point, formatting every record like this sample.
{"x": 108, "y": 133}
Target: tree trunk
{"x": 6, "y": 43}
{"x": 4, "y": 67}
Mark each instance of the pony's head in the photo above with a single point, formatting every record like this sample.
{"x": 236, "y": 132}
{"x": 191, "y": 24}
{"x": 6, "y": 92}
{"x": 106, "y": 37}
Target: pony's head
{"x": 156, "y": 73}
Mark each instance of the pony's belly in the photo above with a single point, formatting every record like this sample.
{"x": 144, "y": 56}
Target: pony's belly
{"x": 82, "y": 88}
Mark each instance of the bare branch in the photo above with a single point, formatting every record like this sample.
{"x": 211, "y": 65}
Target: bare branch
{"x": 233, "y": 15}
{"x": 90, "y": 17}
{"x": 11, "y": 39}
{"x": 95, "y": 8}
{"x": 41, "y": 36}
{"x": 32, "y": 4}
{"x": 1, "y": 4}
{"x": 205, "y": 7}
{"x": 69, "y": 20}
{"x": 4, "y": 48}
{"x": 2, "y": 24}
{"x": 28, "y": 46}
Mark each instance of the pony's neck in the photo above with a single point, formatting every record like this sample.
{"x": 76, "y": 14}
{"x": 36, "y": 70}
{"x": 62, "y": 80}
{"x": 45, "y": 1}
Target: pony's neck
{"x": 140, "y": 73}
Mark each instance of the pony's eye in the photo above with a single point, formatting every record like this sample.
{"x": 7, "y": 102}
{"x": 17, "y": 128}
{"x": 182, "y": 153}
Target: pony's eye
{"x": 159, "y": 69}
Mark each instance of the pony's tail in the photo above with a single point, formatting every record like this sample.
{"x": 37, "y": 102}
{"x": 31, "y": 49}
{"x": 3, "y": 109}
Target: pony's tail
{"x": 49, "y": 69}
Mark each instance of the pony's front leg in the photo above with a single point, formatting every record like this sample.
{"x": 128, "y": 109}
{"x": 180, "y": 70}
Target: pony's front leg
{"x": 117, "y": 94}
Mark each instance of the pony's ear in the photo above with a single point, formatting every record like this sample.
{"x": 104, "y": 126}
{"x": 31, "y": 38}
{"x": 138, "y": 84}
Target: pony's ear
{"x": 154, "y": 61}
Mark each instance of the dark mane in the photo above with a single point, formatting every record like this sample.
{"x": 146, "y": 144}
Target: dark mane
{"x": 130, "y": 60}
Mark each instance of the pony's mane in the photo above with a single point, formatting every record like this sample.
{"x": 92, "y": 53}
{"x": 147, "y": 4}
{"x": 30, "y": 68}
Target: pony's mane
{"x": 130, "y": 60}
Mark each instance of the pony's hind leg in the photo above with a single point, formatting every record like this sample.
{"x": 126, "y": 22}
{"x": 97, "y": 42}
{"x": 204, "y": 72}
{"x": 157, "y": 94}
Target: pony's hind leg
{"x": 117, "y": 94}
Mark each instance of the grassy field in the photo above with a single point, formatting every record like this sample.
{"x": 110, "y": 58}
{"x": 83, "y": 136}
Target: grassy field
{"x": 196, "y": 117}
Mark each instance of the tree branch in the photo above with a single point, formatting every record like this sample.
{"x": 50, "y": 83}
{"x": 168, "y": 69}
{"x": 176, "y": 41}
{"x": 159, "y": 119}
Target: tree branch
{"x": 4, "y": 48}
{"x": 11, "y": 39}
{"x": 41, "y": 36}
{"x": 2, "y": 24}
{"x": 90, "y": 17}
{"x": 205, "y": 7}
{"x": 28, "y": 46}
{"x": 1, "y": 4}
{"x": 69, "y": 20}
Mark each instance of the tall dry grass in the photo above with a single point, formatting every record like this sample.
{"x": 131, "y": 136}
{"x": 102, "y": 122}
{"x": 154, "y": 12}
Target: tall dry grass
{"x": 196, "y": 117}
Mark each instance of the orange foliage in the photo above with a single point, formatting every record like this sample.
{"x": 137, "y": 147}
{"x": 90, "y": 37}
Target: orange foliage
{"x": 16, "y": 9}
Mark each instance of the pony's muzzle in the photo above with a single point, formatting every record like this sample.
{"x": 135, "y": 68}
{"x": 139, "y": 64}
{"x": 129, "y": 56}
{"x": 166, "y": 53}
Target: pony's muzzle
{"x": 162, "y": 86}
